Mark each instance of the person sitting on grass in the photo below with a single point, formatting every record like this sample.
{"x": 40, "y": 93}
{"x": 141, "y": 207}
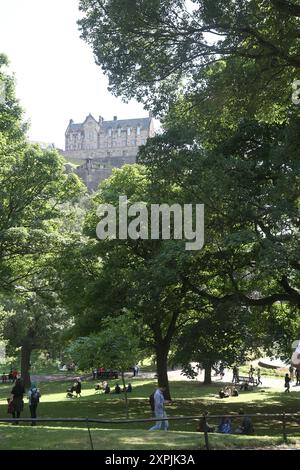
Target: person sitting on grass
{"x": 117, "y": 389}
{"x": 225, "y": 426}
{"x": 104, "y": 385}
{"x": 246, "y": 426}
{"x": 223, "y": 394}
{"x": 129, "y": 388}
{"x": 203, "y": 425}
{"x": 246, "y": 387}
{"x": 107, "y": 389}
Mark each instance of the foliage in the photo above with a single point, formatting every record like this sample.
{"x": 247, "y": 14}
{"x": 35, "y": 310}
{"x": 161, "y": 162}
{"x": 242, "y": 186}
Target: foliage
{"x": 153, "y": 50}
{"x": 115, "y": 347}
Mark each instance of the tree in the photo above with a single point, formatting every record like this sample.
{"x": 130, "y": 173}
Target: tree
{"x": 152, "y": 50}
{"x": 231, "y": 139}
{"x": 31, "y": 322}
{"x": 249, "y": 186}
{"x": 221, "y": 333}
{"x": 33, "y": 190}
{"x": 139, "y": 275}
{"x": 116, "y": 347}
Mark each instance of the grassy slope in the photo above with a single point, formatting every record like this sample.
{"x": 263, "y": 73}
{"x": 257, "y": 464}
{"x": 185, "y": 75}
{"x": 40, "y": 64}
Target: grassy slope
{"x": 189, "y": 398}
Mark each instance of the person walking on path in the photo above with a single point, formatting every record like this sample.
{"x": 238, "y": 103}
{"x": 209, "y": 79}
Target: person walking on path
{"x": 297, "y": 377}
{"x": 259, "y": 382}
{"x": 287, "y": 380}
{"x": 251, "y": 372}
{"x": 17, "y": 399}
{"x": 221, "y": 370}
{"x": 291, "y": 371}
{"x": 235, "y": 374}
{"x": 159, "y": 410}
{"x": 78, "y": 387}
{"x": 34, "y": 396}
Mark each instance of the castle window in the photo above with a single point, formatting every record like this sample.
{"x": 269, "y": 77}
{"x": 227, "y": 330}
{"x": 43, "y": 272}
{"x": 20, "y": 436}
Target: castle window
{"x": 129, "y": 131}
{"x": 119, "y": 132}
{"x": 133, "y": 142}
{"x": 110, "y": 132}
{"x": 138, "y": 130}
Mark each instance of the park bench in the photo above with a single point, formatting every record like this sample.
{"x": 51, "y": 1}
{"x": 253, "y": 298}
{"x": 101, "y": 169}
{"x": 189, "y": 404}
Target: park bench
{"x": 108, "y": 374}
{"x": 245, "y": 378}
{"x": 4, "y": 378}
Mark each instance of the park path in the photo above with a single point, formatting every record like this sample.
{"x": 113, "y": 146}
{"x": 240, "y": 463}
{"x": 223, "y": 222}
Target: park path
{"x": 174, "y": 375}
{"x": 276, "y": 383}
{"x": 56, "y": 377}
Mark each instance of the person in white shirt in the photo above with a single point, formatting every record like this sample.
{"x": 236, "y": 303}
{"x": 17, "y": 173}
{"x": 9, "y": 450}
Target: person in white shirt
{"x": 159, "y": 410}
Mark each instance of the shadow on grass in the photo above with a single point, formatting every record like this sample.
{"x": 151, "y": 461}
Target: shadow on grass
{"x": 47, "y": 438}
{"x": 189, "y": 399}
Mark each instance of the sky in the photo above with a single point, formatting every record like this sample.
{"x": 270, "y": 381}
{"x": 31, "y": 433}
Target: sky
{"x": 57, "y": 78}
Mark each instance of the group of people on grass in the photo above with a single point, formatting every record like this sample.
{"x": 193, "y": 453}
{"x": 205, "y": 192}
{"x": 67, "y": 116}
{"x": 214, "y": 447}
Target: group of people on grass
{"x": 157, "y": 403}
{"x": 105, "y": 388}
{"x": 228, "y": 392}
{"x": 225, "y": 426}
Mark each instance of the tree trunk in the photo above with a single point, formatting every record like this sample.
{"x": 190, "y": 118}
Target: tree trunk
{"x": 25, "y": 365}
{"x": 207, "y": 374}
{"x": 125, "y": 395}
{"x": 162, "y": 369}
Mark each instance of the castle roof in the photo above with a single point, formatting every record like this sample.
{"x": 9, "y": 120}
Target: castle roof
{"x": 115, "y": 124}
{"x": 143, "y": 122}
{"x": 75, "y": 127}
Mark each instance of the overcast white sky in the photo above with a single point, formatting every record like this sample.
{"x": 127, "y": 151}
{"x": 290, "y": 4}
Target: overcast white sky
{"x": 57, "y": 78}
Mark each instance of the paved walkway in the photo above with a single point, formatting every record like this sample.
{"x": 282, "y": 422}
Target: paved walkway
{"x": 276, "y": 383}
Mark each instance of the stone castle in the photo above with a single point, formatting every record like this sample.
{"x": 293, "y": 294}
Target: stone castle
{"x": 99, "y": 146}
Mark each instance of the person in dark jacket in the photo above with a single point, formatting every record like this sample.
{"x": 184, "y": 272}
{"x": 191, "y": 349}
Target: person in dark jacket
{"x": 246, "y": 426}
{"x": 287, "y": 380}
{"x": 78, "y": 388}
{"x": 203, "y": 425}
{"x": 117, "y": 389}
{"x": 17, "y": 399}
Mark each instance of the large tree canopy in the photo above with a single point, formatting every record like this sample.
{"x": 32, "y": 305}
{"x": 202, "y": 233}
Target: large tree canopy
{"x": 220, "y": 73}
{"x": 151, "y": 50}
{"x": 34, "y": 195}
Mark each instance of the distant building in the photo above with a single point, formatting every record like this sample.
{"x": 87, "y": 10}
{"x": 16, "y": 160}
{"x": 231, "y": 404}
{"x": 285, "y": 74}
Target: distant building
{"x": 43, "y": 145}
{"x": 99, "y": 146}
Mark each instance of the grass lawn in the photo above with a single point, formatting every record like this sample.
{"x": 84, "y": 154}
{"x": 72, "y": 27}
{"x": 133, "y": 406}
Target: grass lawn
{"x": 189, "y": 399}
{"x": 60, "y": 438}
